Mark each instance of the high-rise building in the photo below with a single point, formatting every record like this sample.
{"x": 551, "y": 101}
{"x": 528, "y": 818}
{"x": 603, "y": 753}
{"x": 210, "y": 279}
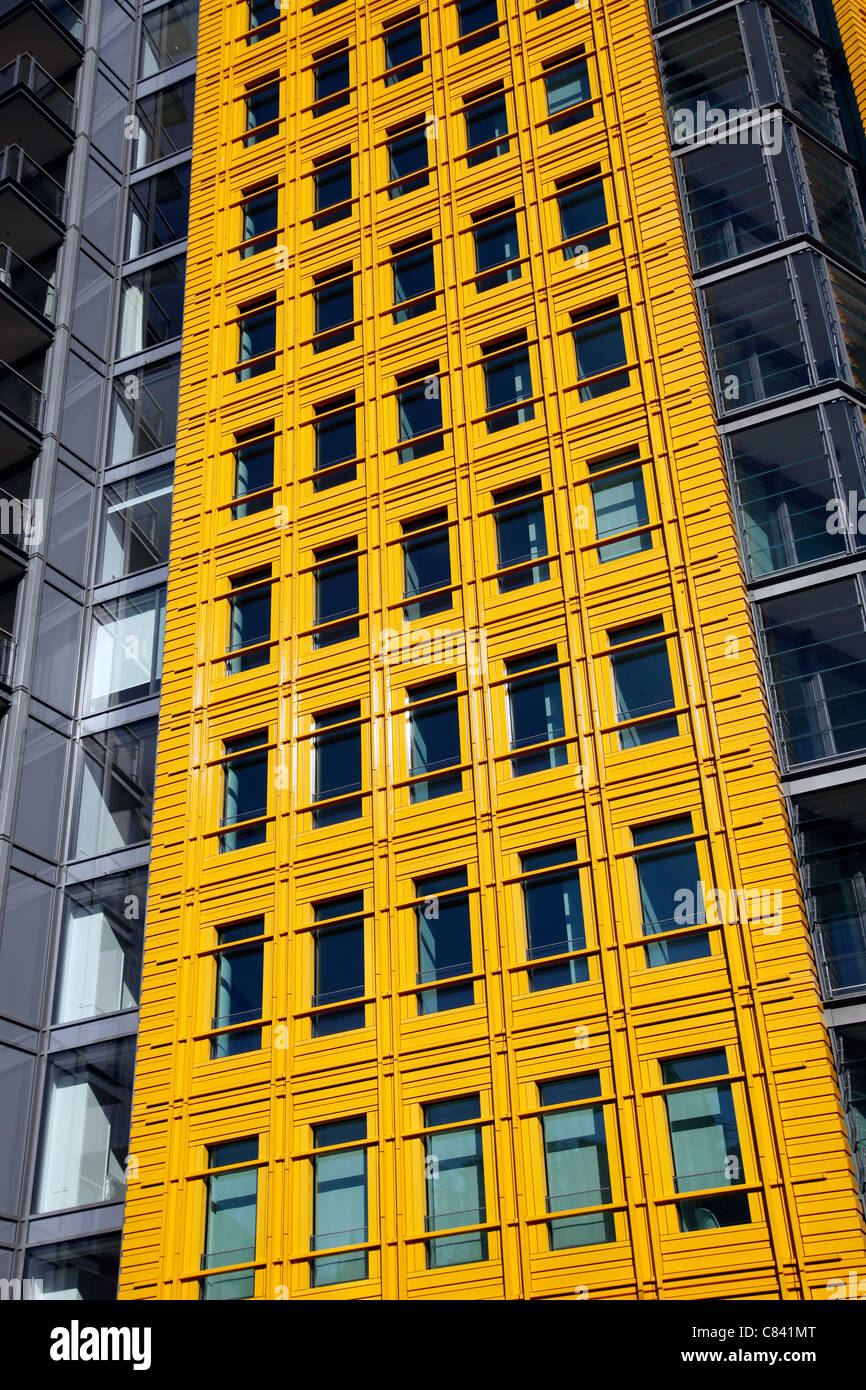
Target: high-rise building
{"x": 775, "y": 227}
{"x": 511, "y": 757}
{"x": 477, "y": 961}
{"x": 96, "y": 105}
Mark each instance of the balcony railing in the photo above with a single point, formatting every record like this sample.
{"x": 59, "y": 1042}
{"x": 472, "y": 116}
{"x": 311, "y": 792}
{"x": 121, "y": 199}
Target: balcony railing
{"x": 842, "y": 948}
{"x": 20, "y": 396}
{"x": 7, "y": 657}
{"x": 66, "y": 14}
{"x": 25, "y": 281}
{"x": 20, "y": 520}
{"x": 24, "y": 71}
{"x": 20, "y": 168}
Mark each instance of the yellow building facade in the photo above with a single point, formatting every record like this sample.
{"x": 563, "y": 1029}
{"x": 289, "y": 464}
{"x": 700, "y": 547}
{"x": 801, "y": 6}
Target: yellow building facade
{"x": 402, "y": 698}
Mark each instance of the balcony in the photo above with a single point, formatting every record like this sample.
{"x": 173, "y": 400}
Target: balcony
{"x": 35, "y": 111}
{"x": 26, "y": 306}
{"x": 32, "y": 204}
{"x": 7, "y": 660}
{"x": 20, "y": 416}
{"x": 52, "y": 30}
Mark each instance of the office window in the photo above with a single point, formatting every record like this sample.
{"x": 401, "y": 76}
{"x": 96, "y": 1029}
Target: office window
{"x": 535, "y": 714}
{"x": 756, "y": 335}
{"x": 84, "y": 1139}
{"x": 75, "y": 1271}
{"x": 729, "y": 200}
{"x": 419, "y": 412}
{"x": 807, "y": 79}
{"x": 126, "y": 659}
{"x": 476, "y": 21}
{"x": 334, "y": 308}
{"x": 407, "y": 161}
{"x": 332, "y": 188}
{"x": 100, "y": 960}
{"x": 705, "y": 1141}
{"x": 249, "y": 621}
{"x": 136, "y": 520}
{"x": 582, "y": 209}
{"x": 553, "y": 915}
{"x": 263, "y": 17}
{"x": 575, "y": 1161}
{"x": 642, "y": 684}
{"x": 521, "y": 536}
{"x": 115, "y": 806}
{"x": 434, "y": 739}
{"x": 454, "y": 1170}
{"x": 704, "y": 68}
{"x": 336, "y": 443}
{"x": 144, "y": 416}
{"x": 245, "y": 791}
{"x": 599, "y": 347}
{"x": 158, "y": 211}
{"x": 163, "y": 123}
{"x": 338, "y": 955}
{"x": 670, "y": 889}
{"x": 230, "y": 1219}
{"x": 85, "y": 1127}
{"x": 239, "y": 964}
{"x": 848, "y": 301}
{"x": 331, "y": 80}
{"x": 497, "y": 248}
{"x": 168, "y": 36}
{"x": 259, "y": 221}
{"x": 816, "y": 646}
{"x": 785, "y": 480}
{"x": 337, "y": 766}
{"x": 253, "y": 457}
{"x": 336, "y": 593}
{"x": 426, "y": 565}
{"x": 568, "y": 92}
{"x": 831, "y": 842}
{"x": 486, "y": 127}
{"x": 838, "y": 211}
{"x": 443, "y": 925}
{"x": 404, "y": 48}
{"x": 507, "y": 378}
{"x": 413, "y": 269}
{"x": 339, "y": 1201}
{"x": 261, "y": 112}
{"x": 619, "y": 504}
{"x": 257, "y": 339}
{"x": 151, "y": 306}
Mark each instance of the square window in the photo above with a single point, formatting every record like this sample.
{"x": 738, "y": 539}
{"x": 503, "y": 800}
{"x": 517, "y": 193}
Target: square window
{"x": 403, "y": 44}
{"x": 253, "y": 471}
{"x": 426, "y": 565}
{"x": 331, "y": 81}
{"x": 261, "y": 113}
{"x": 337, "y": 766}
{"x": 568, "y": 93}
{"x": 339, "y": 966}
{"x": 599, "y": 347}
{"x": 408, "y": 161}
{"x": 332, "y": 186}
{"x": 259, "y": 220}
{"x": 486, "y": 127}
